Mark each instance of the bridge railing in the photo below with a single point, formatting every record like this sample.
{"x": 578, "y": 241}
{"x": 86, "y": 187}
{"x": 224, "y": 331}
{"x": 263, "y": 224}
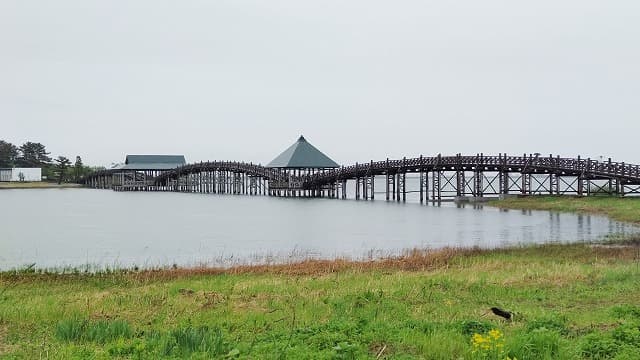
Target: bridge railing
{"x": 233, "y": 166}
{"x": 525, "y": 163}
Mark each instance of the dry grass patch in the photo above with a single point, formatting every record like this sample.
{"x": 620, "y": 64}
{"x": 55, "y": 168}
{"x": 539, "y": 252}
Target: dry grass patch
{"x": 5, "y": 347}
{"x": 411, "y": 260}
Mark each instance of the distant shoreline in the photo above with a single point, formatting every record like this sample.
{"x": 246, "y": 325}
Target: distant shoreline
{"x": 625, "y": 209}
{"x": 35, "y": 185}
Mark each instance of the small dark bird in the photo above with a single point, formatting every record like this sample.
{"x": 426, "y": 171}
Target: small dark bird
{"x": 502, "y": 313}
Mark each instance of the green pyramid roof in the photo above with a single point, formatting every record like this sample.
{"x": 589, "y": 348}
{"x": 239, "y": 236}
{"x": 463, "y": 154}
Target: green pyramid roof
{"x": 302, "y": 155}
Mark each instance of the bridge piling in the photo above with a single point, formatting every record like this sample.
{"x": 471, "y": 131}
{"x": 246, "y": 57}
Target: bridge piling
{"x": 402, "y": 186}
{"x": 344, "y": 189}
{"x": 436, "y": 190}
{"x": 372, "y": 186}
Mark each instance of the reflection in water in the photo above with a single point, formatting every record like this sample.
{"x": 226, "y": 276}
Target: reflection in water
{"x": 122, "y": 229}
{"x": 554, "y": 223}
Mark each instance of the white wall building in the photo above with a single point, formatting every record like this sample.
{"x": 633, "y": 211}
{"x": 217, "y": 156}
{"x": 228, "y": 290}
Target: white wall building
{"x": 21, "y": 174}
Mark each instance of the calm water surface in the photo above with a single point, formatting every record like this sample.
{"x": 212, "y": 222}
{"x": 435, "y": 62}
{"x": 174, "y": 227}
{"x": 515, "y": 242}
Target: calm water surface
{"x": 57, "y": 228}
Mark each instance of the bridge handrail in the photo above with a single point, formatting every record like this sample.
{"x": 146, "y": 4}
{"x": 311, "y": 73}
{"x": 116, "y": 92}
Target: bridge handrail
{"x": 533, "y": 162}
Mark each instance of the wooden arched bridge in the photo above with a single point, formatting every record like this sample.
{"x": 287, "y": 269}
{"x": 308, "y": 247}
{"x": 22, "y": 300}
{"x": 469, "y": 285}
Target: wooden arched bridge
{"x": 434, "y": 178}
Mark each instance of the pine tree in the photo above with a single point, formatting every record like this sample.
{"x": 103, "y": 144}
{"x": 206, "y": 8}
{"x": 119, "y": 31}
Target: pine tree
{"x": 33, "y": 155}
{"x": 61, "y": 167}
{"x": 8, "y": 154}
{"x": 78, "y": 169}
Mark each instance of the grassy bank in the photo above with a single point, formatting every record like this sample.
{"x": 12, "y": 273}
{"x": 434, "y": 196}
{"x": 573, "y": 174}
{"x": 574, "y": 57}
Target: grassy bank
{"x": 570, "y": 301}
{"x": 622, "y": 209}
{"x": 36, "y": 185}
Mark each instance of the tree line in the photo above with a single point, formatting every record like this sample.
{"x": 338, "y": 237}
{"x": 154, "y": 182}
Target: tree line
{"x": 33, "y": 154}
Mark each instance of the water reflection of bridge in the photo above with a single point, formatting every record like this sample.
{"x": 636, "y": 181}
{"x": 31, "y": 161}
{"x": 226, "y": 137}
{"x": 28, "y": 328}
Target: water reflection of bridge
{"x": 303, "y": 171}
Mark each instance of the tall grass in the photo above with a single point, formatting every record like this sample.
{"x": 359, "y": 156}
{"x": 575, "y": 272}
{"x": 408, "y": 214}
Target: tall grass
{"x": 540, "y": 344}
{"x": 103, "y": 331}
{"x": 177, "y": 342}
{"x": 189, "y": 340}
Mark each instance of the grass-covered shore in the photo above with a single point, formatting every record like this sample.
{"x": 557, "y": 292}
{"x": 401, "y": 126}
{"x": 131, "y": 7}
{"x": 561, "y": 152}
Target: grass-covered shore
{"x": 36, "y": 185}
{"x": 569, "y": 302}
{"x": 622, "y": 209}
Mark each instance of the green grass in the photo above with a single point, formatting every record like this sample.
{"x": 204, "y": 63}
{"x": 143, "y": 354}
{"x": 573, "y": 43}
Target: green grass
{"x": 621, "y": 209}
{"x": 570, "y": 301}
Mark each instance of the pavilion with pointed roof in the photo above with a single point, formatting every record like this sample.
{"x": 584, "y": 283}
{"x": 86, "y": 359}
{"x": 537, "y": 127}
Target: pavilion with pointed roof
{"x": 302, "y": 155}
{"x": 297, "y": 160}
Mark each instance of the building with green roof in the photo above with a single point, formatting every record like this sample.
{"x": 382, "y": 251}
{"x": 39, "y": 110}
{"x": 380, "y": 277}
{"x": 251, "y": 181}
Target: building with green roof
{"x": 302, "y": 155}
{"x": 138, "y": 171}
{"x": 153, "y": 162}
{"x": 297, "y": 160}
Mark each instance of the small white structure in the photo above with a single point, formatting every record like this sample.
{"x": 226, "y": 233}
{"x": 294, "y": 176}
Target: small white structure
{"x": 21, "y": 174}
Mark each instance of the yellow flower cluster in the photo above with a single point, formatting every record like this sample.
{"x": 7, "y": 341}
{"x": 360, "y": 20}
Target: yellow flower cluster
{"x": 492, "y": 340}
{"x": 489, "y": 345}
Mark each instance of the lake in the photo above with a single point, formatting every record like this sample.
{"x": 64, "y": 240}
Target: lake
{"x": 57, "y": 228}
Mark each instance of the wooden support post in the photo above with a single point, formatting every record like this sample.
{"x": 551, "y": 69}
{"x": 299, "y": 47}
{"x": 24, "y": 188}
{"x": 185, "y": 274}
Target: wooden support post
{"x": 478, "y": 186}
{"x": 344, "y": 189}
{"x": 395, "y": 187}
{"x": 460, "y": 182}
{"x": 387, "y": 179}
{"x": 373, "y": 187}
{"x": 507, "y": 184}
{"x": 421, "y": 186}
{"x": 436, "y": 188}
{"x": 404, "y": 186}
{"x": 580, "y": 186}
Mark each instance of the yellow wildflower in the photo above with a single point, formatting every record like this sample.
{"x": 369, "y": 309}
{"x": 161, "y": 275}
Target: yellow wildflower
{"x": 489, "y": 346}
{"x": 495, "y": 334}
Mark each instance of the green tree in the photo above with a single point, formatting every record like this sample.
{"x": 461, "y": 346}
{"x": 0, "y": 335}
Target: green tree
{"x": 78, "y": 169}
{"x": 8, "y": 154}
{"x": 62, "y": 164}
{"x": 33, "y": 155}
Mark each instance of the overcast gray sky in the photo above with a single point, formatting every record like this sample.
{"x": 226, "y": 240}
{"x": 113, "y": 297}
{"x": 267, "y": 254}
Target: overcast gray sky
{"x": 361, "y": 79}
